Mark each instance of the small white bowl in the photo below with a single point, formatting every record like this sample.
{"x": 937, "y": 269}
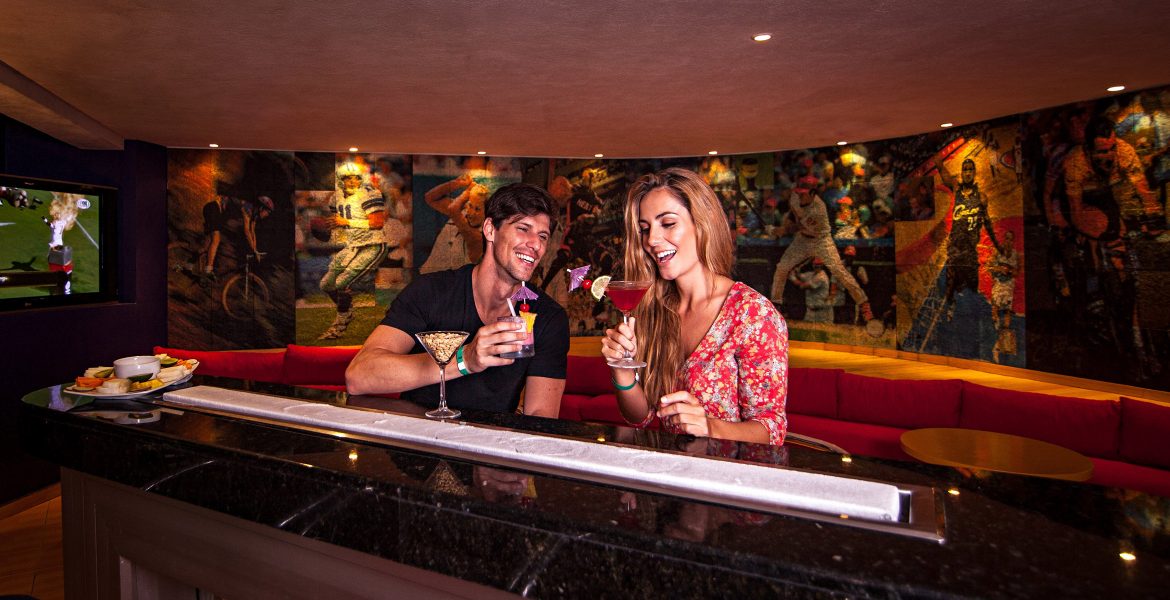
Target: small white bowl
{"x": 133, "y": 366}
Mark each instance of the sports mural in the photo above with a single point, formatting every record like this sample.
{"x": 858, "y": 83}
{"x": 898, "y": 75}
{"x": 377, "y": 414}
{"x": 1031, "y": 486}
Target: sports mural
{"x": 1037, "y": 241}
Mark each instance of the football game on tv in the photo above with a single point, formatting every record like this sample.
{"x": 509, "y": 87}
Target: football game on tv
{"x": 55, "y": 240}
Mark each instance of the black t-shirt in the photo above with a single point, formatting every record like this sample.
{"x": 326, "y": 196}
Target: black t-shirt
{"x": 444, "y": 301}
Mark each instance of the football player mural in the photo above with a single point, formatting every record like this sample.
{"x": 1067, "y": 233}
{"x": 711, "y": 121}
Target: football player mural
{"x": 351, "y": 244}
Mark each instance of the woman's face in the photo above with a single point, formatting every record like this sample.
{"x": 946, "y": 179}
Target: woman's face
{"x": 473, "y": 210}
{"x": 668, "y": 234}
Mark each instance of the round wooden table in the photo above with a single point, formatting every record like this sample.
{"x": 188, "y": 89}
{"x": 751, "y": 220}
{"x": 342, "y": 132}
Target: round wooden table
{"x": 995, "y": 452}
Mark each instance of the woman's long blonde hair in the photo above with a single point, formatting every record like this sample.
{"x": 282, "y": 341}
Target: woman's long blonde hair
{"x": 657, "y": 327}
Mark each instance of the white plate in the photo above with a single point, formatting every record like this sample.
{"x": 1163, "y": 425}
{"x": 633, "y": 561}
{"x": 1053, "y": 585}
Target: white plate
{"x": 97, "y": 394}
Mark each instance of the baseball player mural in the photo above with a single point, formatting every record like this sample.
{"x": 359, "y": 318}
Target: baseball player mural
{"x": 813, "y": 238}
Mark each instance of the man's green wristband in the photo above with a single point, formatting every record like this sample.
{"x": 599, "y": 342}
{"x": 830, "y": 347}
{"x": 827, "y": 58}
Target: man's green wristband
{"x": 460, "y": 363}
{"x": 623, "y": 388}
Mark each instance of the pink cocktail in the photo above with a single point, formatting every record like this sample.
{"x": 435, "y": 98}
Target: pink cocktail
{"x": 625, "y": 296}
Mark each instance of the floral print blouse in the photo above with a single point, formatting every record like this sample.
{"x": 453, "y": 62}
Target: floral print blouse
{"x": 739, "y": 371}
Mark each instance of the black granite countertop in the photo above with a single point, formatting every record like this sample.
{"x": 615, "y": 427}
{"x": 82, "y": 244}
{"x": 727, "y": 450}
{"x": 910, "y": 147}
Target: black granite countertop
{"x": 546, "y": 536}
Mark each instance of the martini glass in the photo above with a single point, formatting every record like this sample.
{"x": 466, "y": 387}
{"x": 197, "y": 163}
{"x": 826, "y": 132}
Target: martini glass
{"x": 441, "y": 345}
{"x": 626, "y": 295}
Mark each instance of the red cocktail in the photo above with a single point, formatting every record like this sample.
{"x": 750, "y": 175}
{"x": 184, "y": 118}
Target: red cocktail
{"x": 625, "y": 296}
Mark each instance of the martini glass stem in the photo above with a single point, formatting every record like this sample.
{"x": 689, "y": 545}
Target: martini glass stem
{"x": 443, "y": 387}
{"x": 626, "y": 320}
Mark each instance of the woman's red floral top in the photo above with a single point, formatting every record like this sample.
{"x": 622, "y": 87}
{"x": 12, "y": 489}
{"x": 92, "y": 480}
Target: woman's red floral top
{"x": 739, "y": 371}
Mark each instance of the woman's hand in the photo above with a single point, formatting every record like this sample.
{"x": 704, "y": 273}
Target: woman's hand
{"x": 617, "y": 342}
{"x": 682, "y": 409}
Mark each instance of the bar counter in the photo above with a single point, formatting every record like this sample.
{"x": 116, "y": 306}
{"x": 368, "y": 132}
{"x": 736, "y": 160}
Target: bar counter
{"x": 158, "y": 497}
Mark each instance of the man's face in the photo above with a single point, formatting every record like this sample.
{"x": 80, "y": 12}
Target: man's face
{"x": 968, "y": 173}
{"x": 1104, "y": 154}
{"x": 351, "y": 183}
{"x": 519, "y": 244}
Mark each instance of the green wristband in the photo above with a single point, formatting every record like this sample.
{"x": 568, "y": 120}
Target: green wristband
{"x": 462, "y": 366}
{"x": 625, "y": 388}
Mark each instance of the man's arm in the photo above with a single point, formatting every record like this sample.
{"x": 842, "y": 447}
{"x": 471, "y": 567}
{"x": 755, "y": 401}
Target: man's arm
{"x": 542, "y": 396}
{"x": 383, "y": 365}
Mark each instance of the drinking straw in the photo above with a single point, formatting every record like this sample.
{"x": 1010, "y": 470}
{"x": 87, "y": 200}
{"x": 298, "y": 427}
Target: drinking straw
{"x": 511, "y": 309}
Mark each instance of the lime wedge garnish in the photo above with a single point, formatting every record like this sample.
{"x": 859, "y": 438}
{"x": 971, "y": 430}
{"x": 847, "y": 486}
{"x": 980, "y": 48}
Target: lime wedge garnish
{"x": 141, "y": 378}
{"x": 598, "y": 287}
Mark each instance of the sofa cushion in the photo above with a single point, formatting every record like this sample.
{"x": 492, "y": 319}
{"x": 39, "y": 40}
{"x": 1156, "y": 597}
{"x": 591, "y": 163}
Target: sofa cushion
{"x": 905, "y": 403}
{"x": 601, "y": 409}
{"x": 1144, "y": 428}
{"x": 256, "y": 365}
{"x": 813, "y": 391}
{"x": 1115, "y": 473}
{"x": 1087, "y": 426}
{"x": 587, "y": 375}
{"x": 571, "y": 406}
{"x": 317, "y": 365}
{"x": 862, "y": 439}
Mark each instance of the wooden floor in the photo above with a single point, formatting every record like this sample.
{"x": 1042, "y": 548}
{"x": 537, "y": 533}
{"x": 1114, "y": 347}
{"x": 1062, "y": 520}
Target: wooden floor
{"x": 30, "y": 540}
{"x": 30, "y": 552}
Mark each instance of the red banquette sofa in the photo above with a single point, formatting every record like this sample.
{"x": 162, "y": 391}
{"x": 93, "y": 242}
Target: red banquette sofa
{"x": 1125, "y": 438}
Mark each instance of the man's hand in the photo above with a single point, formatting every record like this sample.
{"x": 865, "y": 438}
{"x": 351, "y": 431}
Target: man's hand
{"x": 340, "y": 221}
{"x": 491, "y": 341}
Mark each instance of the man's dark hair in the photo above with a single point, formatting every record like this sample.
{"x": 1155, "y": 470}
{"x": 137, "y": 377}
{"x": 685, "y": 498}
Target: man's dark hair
{"x": 519, "y": 199}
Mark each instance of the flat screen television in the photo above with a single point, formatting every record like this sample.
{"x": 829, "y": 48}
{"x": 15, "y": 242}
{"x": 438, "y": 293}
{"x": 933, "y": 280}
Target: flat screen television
{"x": 57, "y": 243}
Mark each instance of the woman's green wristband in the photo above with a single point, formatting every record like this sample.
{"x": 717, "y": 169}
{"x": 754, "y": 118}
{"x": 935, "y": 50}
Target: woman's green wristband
{"x": 623, "y": 388}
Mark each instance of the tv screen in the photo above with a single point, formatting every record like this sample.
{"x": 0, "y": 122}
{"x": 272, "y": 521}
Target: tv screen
{"x": 56, "y": 243}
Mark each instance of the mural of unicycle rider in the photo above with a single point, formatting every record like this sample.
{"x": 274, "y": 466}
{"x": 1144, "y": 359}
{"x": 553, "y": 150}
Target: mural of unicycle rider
{"x": 358, "y": 212}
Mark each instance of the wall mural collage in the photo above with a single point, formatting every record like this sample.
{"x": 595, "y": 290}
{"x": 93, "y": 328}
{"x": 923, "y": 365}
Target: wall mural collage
{"x": 1038, "y": 241}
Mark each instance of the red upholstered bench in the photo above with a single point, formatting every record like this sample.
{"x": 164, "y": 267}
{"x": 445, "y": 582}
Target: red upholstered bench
{"x": 257, "y": 365}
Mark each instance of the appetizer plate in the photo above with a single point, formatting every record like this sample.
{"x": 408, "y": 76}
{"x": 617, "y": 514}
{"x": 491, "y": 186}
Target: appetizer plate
{"x": 96, "y": 394}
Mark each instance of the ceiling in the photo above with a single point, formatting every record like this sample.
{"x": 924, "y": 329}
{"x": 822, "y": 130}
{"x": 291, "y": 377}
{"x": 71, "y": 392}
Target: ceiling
{"x": 556, "y": 78}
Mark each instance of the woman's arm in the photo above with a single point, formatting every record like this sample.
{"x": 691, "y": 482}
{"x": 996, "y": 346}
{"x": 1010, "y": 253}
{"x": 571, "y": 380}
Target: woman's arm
{"x": 437, "y": 199}
{"x": 763, "y": 370}
{"x": 631, "y": 402}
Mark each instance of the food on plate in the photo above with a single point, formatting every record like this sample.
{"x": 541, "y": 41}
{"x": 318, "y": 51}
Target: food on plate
{"x": 101, "y": 380}
{"x": 114, "y": 385}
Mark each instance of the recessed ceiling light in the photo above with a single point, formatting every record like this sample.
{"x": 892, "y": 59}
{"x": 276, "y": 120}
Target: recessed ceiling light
{"x": 1127, "y": 556}
{"x": 598, "y": 155}
{"x": 1116, "y": 88}
{"x": 213, "y": 145}
{"x": 842, "y": 143}
{"x": 482, "y": 152}
{"x": 353, "y": 149}
{"x": 762, "y": 37}
{"x": 713, "y": 152}
{"x": 945, "y": 125}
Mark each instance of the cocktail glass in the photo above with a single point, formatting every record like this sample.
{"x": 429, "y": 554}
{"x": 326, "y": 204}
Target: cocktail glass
{"x": 441, "y": 345}
{"x": 626, "y": 295}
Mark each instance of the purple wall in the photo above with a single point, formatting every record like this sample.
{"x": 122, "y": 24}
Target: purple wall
{"x": 47, "y": 346}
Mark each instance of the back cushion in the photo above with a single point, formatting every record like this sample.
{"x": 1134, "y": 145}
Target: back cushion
{"x": 905, "y": 403}
{"x": 241, "y": 364}
{"x": 587, "y": 375}
{"x": 813, "y": 391}
{"x": 1087, "y": 426}
{"x": 1145, "y": 429}
{"x": 313, "y": 365}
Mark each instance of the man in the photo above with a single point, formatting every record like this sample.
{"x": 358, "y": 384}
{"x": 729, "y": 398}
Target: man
{"x": 358, "y": 214}
{"x": 813, "y": 238}
{"x": 968, "y": 216}
{"x": 516, "y": 230}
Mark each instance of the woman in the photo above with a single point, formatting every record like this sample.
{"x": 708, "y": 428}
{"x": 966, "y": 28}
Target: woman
{"x": 718, "y": 350}
{"x": 459, "y": 241}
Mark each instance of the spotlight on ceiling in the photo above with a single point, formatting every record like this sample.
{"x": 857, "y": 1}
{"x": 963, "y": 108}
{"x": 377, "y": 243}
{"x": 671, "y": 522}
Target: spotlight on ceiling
{"x": 762, "y": 37}
{"x": 713, "y": 152}
{"x": 842, "y": 143}
{"x": 598, "y": 155}
{"x": 353, "y": 148}
{"x": 1115, "y": 88}
{"x": 213, "y": 145}
{"x": 481, "y": 152}
{"x": 945, "y": 125}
